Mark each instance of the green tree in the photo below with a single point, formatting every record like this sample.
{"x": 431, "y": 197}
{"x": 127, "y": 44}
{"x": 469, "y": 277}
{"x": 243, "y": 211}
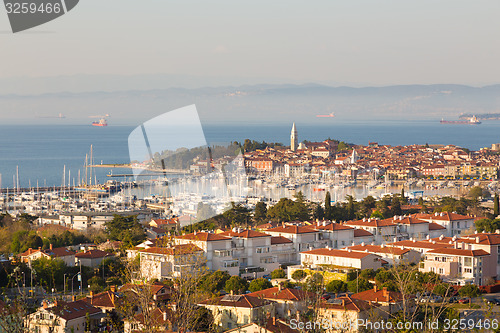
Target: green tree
{"x": 328, "y": 206}
{"x": 475, "y": 192}
{"x": 377, "y": 214}
{"x": 289, "y": 210}
{"x": 236, "y": 284}
{"x": 396, "y": 206}
{"x": 495, "y": 206}
{"x": 126, "y": 229}
{"x": 336, "y": 286}
{"x": 259, "y": 284}
{"x": 49, "y": 272}
{"x": 367, "y": 274}
{"x": 470, "y": 290}
{"x": 214, "y": 281}
{"x": 237, "y": 214}
{"x": 358, "y": 285}
{"x": 202, "y": 320}
{"x": 315, "y": 283}
{"x": 278, "y": 274}
{"x": 260, "y": 211}
{"x": 298, "y": 275}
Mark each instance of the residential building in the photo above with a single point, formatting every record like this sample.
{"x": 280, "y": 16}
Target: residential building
{"x": 61, "y": 253}
{"x": 92, "y": 258}
{"x": 62, "y": 317}
{"x": 231, "y": 311}
{"x": 319, "y": 258}
{"x": 344, "y": 313}
{"x": 288, "y": 302}
{"x": 393, "y": 255}
{"x": 170, "y": 262}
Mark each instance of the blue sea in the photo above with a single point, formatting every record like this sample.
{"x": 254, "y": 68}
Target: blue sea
{"x": 42, "y": 152}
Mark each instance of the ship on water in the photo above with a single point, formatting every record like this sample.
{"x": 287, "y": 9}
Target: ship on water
{"x": 331, "y": 115}
{"x": 102, "y": 122}
{"x": 472, "y": 121}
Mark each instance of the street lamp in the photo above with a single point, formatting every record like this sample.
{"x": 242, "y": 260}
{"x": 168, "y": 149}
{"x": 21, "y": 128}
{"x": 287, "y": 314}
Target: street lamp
{"x": 77, "y": 274}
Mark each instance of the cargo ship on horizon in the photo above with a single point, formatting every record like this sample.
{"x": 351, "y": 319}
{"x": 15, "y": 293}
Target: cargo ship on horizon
{"x": 101, "y": 123}
{"x": 471, "y": 121}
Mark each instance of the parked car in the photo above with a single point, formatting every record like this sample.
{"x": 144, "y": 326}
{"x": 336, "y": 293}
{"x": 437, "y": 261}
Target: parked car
{"x": 493, "y": 301}
{"x": 464, "y": 300}
{"x": 453, "y": 299}
{"x": 435, "y": 299}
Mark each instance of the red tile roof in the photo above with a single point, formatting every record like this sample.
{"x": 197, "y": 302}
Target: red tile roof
{"x": 334, "y": 227}
{"x": 435, "y": 226}
{"x": 245, "y": 234}
{"x": 337, "y": 253}
{"x": 173, "y": 250}
{"x": 379, "y": 249}
{"x": 280, "y": 240}
{"x": 349, "y": 304}
{"x": 204, "y": 237}
{"x": 93, "y": 254}
{"x": 460, "y": 252}
{"x": 420, "y": 244}
{"x": 378, "y": 295}
{"x": 372, "y": 223}
{"x": 293, "y": 229}
{"x": 362, "y": 233}
{"x": 73, "y": 310}
{"x": 237, "y": 301}
{"x": 275, "y": 293}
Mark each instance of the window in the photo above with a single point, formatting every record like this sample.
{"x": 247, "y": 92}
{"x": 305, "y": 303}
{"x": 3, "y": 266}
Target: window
{"x": 441, "y": 271}
{"x": 262, "y": 249}
{"x": 467, "y": 261}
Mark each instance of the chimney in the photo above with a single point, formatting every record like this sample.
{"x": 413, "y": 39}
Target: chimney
{"x": 477, "y": 239}
{"x": 39, "y": 248}
{"x": 280, "y": 287}
{"x": 165, "y": 315}
{"x": 497, "y": 231}
{"x": 55, "y": 302}
{"x": 45, "y": 305}
{"x": 113, "y": 289}
{"x": 91, "y": 296}
{"x": 385, "y": 292}
{"x": 232, "y": 293}
{"x": 50, "y": 247}
{"x": 343, "y": 302}
{"x": 375, "y": 288}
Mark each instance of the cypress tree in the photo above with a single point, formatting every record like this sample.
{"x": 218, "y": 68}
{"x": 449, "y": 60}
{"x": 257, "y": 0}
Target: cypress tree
{"x": 495, "y": 206}
{"x": 328, "y": 206}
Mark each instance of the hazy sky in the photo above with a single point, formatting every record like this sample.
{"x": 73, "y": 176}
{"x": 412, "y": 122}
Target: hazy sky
{"x": 346, "y": 42}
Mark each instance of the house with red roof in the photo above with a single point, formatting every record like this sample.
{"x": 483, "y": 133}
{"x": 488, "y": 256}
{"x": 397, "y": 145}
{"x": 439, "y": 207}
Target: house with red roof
{"x": 231, "y": 311}
{"x": 77, "y": 316}
{"x": 390, "y": 301}
{"x": 92, "y": 258}
{"x": 217, "y": 249}
{"x": 457, "y": 265}
{"x": 454, "y": 223}
{"x": 61, "y": 253}
{"x": 344, "y": 313}
{"x": 288, "y": 302}
{"x": 339, "y": 259}
{"x": 303, "y": 237}
{"x": 392, "y": 254}
{"x": 170, "y": 262}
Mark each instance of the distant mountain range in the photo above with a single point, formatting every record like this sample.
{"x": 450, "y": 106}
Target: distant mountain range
{"x": 257, "y": 103}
